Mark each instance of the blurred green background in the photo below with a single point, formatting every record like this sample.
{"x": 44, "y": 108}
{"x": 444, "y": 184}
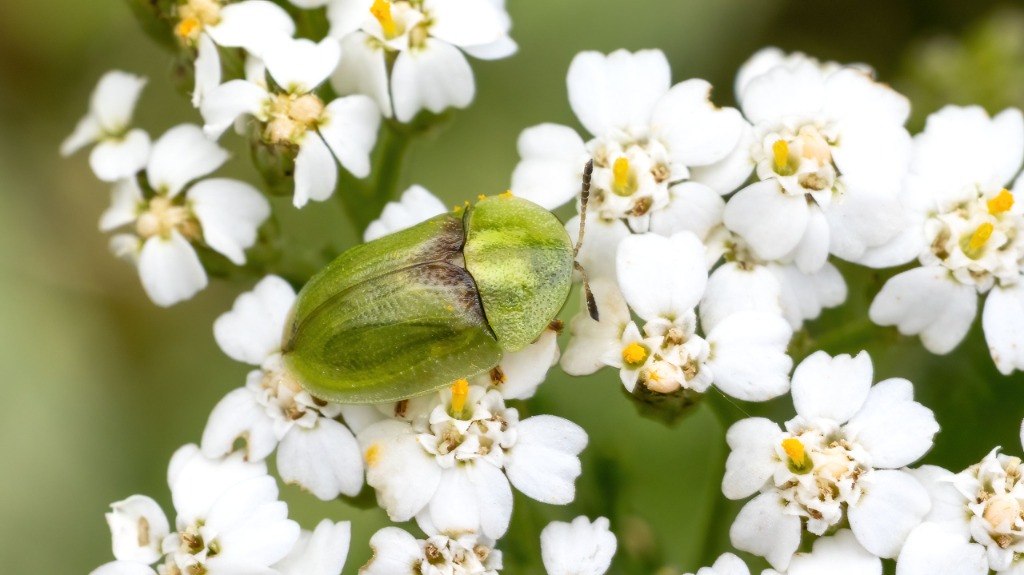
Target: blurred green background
{"x": 101, "y": 386}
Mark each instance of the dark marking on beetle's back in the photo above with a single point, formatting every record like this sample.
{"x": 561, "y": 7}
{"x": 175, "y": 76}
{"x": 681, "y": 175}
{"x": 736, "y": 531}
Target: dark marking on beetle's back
{"x": 447, "y": 245}
{"x": 454, "y": 278}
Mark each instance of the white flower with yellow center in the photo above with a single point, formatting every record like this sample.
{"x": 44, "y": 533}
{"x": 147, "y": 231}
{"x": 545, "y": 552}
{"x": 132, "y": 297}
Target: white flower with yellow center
{"x": 837, "y": 460}
{"x": 205, "y": 24}
{"x": 976, "y": 524}
{"x": 180, "y": 210}
{"x": 425, "y": 39}
{"x": 450, "y": 463}
{"x": 396, "y": 552}
{"x": 314, "y": 450}
{"x": 742, "y": 352}
{"x": 229, "y": 520}
{"x": 345, "y": 129}
{"x": 120, "y": 150}
{"x": 830, "y": 152}
{"x": 966, "y": 230}
{"x": 662, "y": 154}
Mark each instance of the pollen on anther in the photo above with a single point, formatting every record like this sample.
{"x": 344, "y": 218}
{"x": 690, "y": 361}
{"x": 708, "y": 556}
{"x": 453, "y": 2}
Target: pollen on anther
{"x": 795, "y": 450}
{"x": 1001, "y": 203}
{"x": 981, "y": 235}
{"x": 506, "y": 194}
{"x": 620, "y": 171}
{"x": 634, "y": 354}
{"x": 481, "y": 196}
{"x": 372, "y": 455}
{"x": 780, "y": 149}
{"x": 186, "y": 27}
{"x": 381, "y": 10}
{"x": 460, "y": 391}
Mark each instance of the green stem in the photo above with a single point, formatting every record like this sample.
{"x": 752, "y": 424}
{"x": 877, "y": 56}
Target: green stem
{"x": 845, "y": 338}
{"x": 363, "y": 200}
{"x": 720, "y": 515}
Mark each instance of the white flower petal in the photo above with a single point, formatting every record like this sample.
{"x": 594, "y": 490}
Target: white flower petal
{"x": 137, "y": 526}
{"x": 939, "y": 152}
{"x": 927, "y": 301}
{"x": 395, "y": 552}
{"x": 324, "y": 460}
{"x": 524, "y": 370}
{"x": 811, "y": 252}
{"x": 87, "y": 131}
{"x": 416, "y": 205}
{"x": 113, "y": 101}
{"x": 251, "y": 331}
{"x": 840, "y": 554}
{"x": 405, "y": 476}
{"x": 931, "y": 550}
{"x": 947, "y": 503}
{"x": 123, "y": 568}
{"x": 759, "y": 63}
{"x": 197, "y": 482}
{"x": 349, "y": 128}
{"x": 692, "y": 207}
{"x": 771, "y": 221}
{"x": 238, "y": 415}
{"x": 763, "y": 528}
{"x": 316, "y": 173}
{"x": 237, "y": 505}
{"x": 852, "y": 96}
{"x": 346, "y": 16}
{"x": 322, "y": 552}
{"x": 114, "y": 159}
{"x": 230, "y": 212}
{"x": 662, "y": 277}
{"x": 784, "y": 91}
{"x": 617, "y": 91}
{"x": 591, "y": 339}
{"x": 299, "y": 65}
{"x": 748, "y": 355}
{"x": 471, "y": 498}
{"x": 893, "y": 504}
{"x": 467, "y": 22}
{"x": 363, "y": 70}
{"x": 125, "y": 203}
{"x": 230, "y": 100}
{"x": 728, "y": 174}
{"x": 251, "y": 25}
{"x": 601, "y": 238}
{"x": 181, "y": 155}
{"x": 891, "y": 426}
{"x": 752, "y": 460}
{"x": 734, "y": 288}
{"x": 551, "y": 170}
{"x": 832, "y": 387}
{"x": 1003, "y": 323}
{"x": 727, "y": 564}
{"x": 434, "y": 78}
{"x": 208, "y": 72}
{"x": 544, "y": 463}
{"x": 577, "y": 548}
{"x": 1008, "y": 131}
{"x": 170, "y": 270}
{"x": 694, "y": 130}
{"x": 864, "y": 217}
{"x": 500, "y": 48}
{"x": 803, "y": 296}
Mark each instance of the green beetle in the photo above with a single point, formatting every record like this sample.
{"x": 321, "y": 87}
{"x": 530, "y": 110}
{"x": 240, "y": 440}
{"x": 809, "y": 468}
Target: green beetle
{"x": 411, "y": 312}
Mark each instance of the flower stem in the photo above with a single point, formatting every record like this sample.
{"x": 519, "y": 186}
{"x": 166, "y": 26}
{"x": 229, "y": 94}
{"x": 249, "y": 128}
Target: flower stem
{"x": 363, "y": 200}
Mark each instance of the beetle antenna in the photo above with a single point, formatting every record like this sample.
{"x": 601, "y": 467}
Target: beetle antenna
{"x": 584, "y": 199}
{"x": 588, "y": 170}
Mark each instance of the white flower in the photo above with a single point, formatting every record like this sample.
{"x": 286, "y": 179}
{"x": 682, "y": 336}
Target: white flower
{"x": 396, "y": 552}
{"x": 743, "y": 353}
{"x": 272, "y": 411}
{"x": 840, "y": 554}
{"x": 726, "y": 564}
{"x": 837, "y": 459}
{"x": 181, "y": 210}
{"x": 967, "y": 231}
{"x": 120, "y": 151}
{"x": 424, "y": 39}
{"x": 577, "y": 548}
{"x": 417, "y": 204}
{"x": 976, "y": 523}
{"x": 206, "y": 24}
{"x": 228, "y": 521}
{"x": 647, "y": 138}
{"x": 451, "y": 467}
{"x": 345, "y": 129}
{"x": 830, "y": 153}
{"x": 320, "y": 552}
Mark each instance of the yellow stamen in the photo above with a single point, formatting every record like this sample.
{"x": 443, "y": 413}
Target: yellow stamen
{"x": 372, "y": 455}
{"x": 781, "y": 151}
{"x": 507, "y": 194}
{"x": 634, "y": 354}
{"x": 481, "y": 196}
{"x": 620, "y": 169}
{"x": 795, "y": 450}
{"x": 457, "y": 209}
{"x": 460, "y": 391}
{"x": 1001, "y": 203}
{"x": 187, "y": 27}
{"x": 381, "y": 10}
{"x": 980, "y": 236}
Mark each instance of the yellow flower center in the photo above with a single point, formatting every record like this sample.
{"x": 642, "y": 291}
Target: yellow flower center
{"x": 193, "y": 16}
{"x": 980, "y": 236}
{"x": 795, "y": 450}
{"x": 460, "y": 391}
{"x": 381, "y": 10}
{"x": 163, "y": 216}
{"x": 780, "y": 150}
{"x": 634, "y": 354}
{"x": 1001, "y": 203}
